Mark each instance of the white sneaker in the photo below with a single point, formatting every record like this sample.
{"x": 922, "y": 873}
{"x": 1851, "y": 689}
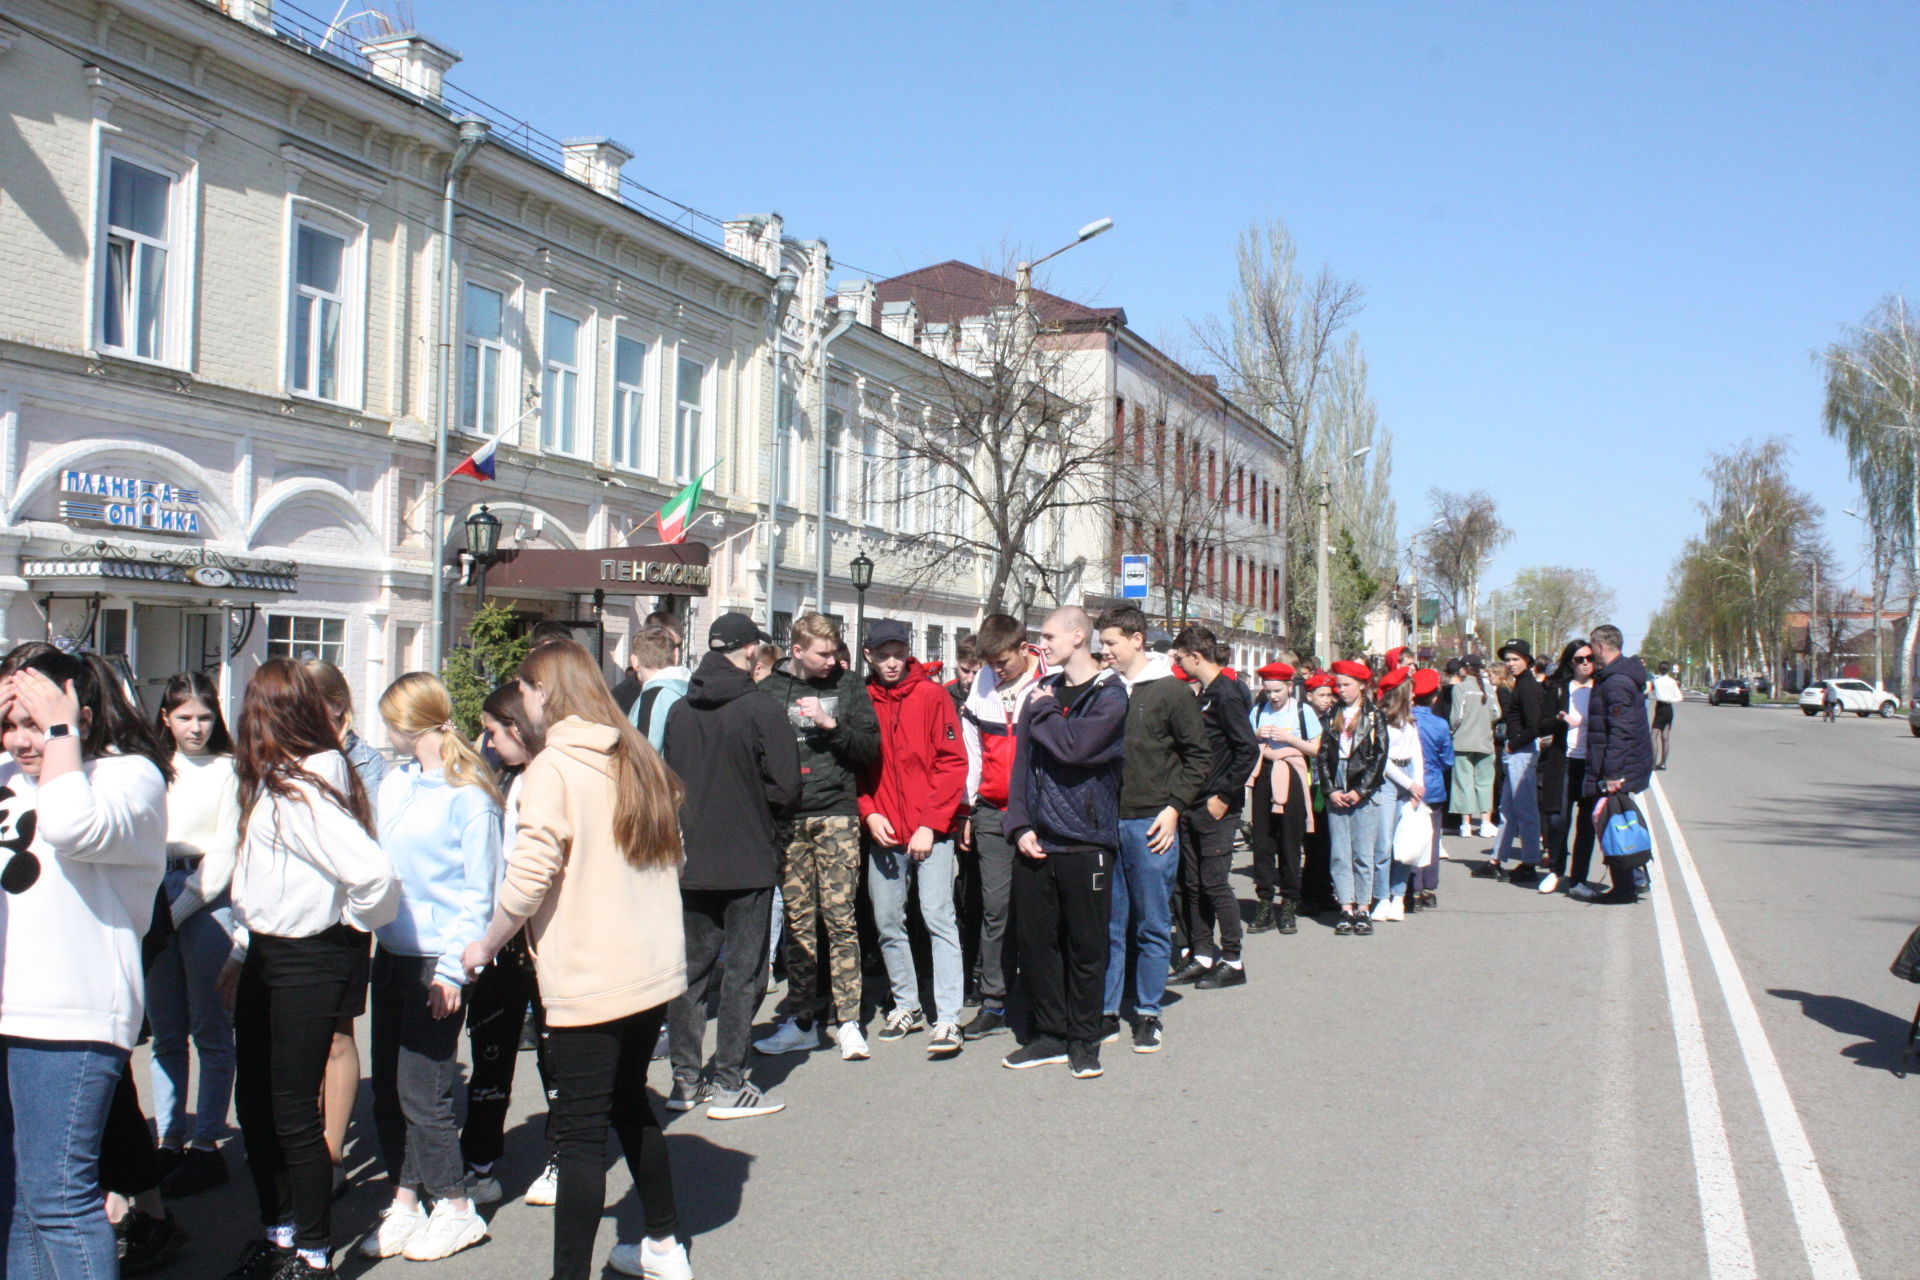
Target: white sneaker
{"x": 1549, "y": 882}
{"x": 398, "y": 1224}
{"x": 545, "y": 1188}
{"x": 743, "y": 1103}
{"x": 637, "y": 1259}
{"x": 788, "y": 1037}
{"x": 1390, "y": 910}
{"x": 448, "y": 1231}
{"x": 484, "y": 1188}
{"x": 853, "y": 1043}
{"x": 945, "y": 1041}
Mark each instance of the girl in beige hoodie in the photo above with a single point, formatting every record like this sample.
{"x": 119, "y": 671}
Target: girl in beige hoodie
{"x": 593, "y": 873}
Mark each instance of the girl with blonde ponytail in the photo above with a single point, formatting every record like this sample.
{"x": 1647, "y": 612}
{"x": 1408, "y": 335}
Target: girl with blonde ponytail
{"x": 439, "y": 820}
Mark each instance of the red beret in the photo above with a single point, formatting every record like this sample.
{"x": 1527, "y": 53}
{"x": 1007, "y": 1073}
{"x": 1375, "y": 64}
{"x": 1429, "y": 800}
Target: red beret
{"x": 1394, "y": 678}
{"x": 1319, "y": 680}
{"x": 931, "y": 669}
{"x": 1275, "y": 671}
{"x": 1425, "y": 681}
{"x": 1394, "y": 656}
{"x": 1356, "y": 670}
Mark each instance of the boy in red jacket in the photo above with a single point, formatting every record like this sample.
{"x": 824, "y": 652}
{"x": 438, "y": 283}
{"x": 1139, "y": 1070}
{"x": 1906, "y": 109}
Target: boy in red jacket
{"x": 911, "y": 802}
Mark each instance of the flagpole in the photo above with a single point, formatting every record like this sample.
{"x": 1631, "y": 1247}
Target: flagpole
{"x": 514, "y": 426}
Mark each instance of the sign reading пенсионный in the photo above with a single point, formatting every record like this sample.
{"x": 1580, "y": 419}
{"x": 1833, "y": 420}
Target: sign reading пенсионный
{"x": 128, "y": 502}
{"x": 1134, "y": 577}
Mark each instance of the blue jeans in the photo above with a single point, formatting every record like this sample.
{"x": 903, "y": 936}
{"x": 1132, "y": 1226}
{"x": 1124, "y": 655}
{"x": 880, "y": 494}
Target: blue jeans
{"x": 1143, "y": 890}
{"x": 182, "y": 1003}
{"x": 1519, "y": 809}
{"x": 52, "y": 1113}
{"x": 1389, "y": 877}
{"x": 890, "y": 875}
{"x": 1353, "y": 836}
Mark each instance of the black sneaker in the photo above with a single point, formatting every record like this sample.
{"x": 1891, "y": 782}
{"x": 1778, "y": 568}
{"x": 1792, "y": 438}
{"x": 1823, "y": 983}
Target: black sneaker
{"x": 1147, "y": 1035}
{"x": 1223, "y": 975}
{"x": 688, "y": 1094}
{"x": 1194, "y": 970}
{"x": 298, "y": 1268}
{"x": 1362, "y": 925}
{"x": 1262, "y": 921}
{"x": 1109, "y": 1028}
{"x": 1618, "y": 896}
{"x": 261, "y": 1260}
{"x": 1344, "y": 929}
{"x": 1488, "y": 871}
{"x": 1041, "y": 1051}
{"x": 988, "y": 1022}
{"x": 169, "y": 1159}
{"x": 1524, "y": 876}
{"x": 198, "y": 1170}
{"x": 1083, "y": 1058}
{"x": 151, "y": 1244}
{"x": 1286, "y": 918}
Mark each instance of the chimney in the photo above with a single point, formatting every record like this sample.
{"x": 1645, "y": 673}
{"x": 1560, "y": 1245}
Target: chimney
{"x": 756, "y": 239}
{"x": 255, "y": 13}
{"x": 857, "y": 296}
{"x": 596, "y": 162}
{"x": 900, "y": 321}
{"x": 411, "y": 62}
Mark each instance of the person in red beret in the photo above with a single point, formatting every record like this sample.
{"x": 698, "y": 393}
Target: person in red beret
{"x": 1406, "y": 782}
{"x": 1351, "y": 769}
{"x": 1288, "y": 732}
{"x": 1396, "y": 656}
{"x": 1316, "y": 878}
{"x": 1436, "y": 751}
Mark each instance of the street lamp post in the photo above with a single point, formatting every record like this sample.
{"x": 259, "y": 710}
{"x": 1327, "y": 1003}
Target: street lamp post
{"x": 483, "y": 548}
{"x": 862, "y": 571}
{"x": 1323, "y": 589}
{"x": 784, "y": 285}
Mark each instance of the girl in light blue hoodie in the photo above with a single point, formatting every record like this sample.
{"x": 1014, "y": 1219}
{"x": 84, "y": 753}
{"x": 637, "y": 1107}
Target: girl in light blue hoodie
{"x": 439, "y": 819}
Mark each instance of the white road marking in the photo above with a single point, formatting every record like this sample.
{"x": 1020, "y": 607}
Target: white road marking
{"x": 1729, "y": 1245}
{"x": 1821, "y": 1233}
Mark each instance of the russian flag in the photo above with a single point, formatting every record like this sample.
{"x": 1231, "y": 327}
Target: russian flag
{"x": 479, "y": 463}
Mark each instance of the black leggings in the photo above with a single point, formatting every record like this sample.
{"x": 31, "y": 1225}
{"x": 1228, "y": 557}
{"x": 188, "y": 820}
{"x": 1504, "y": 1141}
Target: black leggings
{"x": 129, "y": 1157}
{"x": 1278, "y": 839}
{"x": 599, "y": 1076}
{"x": 1574, "y": 825}
{"x": 496, "y": 1013}
{"x": 292, "y": 993}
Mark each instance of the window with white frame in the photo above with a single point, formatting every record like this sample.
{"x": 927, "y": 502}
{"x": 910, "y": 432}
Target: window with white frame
{"x": 870, "y": 477}
{"x": 836, "y": 446}
{"x": 793, "y": 461}
{"x": 483, "y": 350}
{"x": 142, "y": 265}
{"x": 301, "y": 638}
{"x": 314, "y": 349}
{"x": 689, "y": 420}
{"x": 630, "y": 404}
{"x": 560, "y": 383}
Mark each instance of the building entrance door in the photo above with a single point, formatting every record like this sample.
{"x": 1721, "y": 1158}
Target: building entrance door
{"x": 168, "y": 640}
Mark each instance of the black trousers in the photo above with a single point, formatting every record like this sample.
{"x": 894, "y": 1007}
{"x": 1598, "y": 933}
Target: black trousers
{"x": 599, "y": 1078}
{"x": 1206, "y": 895}
{"x": 994, "y": 858}
{"x": 726, "y": 930}
{"x": 1573, "y": 823}
{"x": 292, "y": 993}
{"x": 129, "y": 1157}
{"x": 1062, "y": 915}
{"x": 1316, "y": 881}
{"x": 416, "y": 1064}
{"x": 496, "y": 1013}
{"x": 1279, "y": 839}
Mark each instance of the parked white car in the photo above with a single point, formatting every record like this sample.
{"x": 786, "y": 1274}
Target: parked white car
{"x": 1857, "y": 696}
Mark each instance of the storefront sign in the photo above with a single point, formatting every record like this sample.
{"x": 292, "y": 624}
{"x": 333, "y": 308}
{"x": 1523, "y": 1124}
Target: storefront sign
{"x": 103, "y": 562}
{"x": 677, "y": 570}
{"x": 128, "y": 502}
{"x": 654, "y": 571}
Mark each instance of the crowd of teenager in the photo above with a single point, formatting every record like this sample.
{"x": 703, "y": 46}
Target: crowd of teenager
{"x": 608, "y": 869}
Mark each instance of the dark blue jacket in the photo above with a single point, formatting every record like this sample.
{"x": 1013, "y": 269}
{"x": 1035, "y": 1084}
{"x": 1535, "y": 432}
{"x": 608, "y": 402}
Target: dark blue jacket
{"x": 1065, "y": 786}
{"x": 1436, "y": 750}
{"x": 1619, "y": 740}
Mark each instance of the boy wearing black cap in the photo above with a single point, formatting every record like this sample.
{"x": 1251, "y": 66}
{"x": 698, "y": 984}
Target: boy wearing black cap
{"x": 911, "y": 800}
{"x": 1529, "y": 719}
{"x": 740, "y": 766}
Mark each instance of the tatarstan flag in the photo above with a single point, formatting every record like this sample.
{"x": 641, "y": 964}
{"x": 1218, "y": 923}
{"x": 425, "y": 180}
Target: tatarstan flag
{"x": 675, "y": 516}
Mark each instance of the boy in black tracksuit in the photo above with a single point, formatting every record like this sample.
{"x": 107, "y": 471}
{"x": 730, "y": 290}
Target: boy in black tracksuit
{"x": 1206, "y": 830}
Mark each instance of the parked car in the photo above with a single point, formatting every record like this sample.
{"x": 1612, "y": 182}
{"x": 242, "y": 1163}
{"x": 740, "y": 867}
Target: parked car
{"x": 1734, "y": 689}
{"x": 1857, "y": 696}
{"x": 1913, "y": 715}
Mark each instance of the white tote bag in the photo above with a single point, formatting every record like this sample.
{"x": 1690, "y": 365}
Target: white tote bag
{"x": 1413, "y": 835}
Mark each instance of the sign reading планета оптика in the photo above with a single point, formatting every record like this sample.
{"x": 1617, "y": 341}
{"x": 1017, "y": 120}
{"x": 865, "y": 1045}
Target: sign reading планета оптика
{"x": 128, "y": 502}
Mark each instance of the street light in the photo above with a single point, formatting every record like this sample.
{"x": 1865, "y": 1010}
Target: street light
{"x": 1323, "y": 591}
{"x": 862, "y": 571}
{"x": 784, "y": 285}
{"x": 1023, "y": 274}
{"x": 483, "y": 548}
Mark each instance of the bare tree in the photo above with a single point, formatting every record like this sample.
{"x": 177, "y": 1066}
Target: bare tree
{"x": 1762, "y": 540}
{"x": 1277, "y": 352}
{"x": 1004, "y": 455}
{"x": 1559, "y": 602}
{"x": 1873, "y": 407}
{"x": 1456, "y": 550}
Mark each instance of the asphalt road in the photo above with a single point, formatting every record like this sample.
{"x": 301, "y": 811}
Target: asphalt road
{"x": 1513, "y": 1085}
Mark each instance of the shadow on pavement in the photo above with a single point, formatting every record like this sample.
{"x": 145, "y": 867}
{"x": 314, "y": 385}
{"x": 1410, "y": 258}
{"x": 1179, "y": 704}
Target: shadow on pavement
{"x": 1863, "y": 815}
{"x": 1885, "y": 1045}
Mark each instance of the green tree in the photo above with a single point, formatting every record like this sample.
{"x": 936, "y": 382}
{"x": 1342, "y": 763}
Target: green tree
{"x": 491, "y": 654}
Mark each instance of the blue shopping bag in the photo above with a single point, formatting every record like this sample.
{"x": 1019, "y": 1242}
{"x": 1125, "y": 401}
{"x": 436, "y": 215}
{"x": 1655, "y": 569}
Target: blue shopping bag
{"x": 1625, "y": 840}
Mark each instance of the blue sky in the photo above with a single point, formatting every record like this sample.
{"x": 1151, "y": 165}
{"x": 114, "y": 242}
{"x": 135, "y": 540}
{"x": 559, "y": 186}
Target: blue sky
{"x": 1598, "y": 243}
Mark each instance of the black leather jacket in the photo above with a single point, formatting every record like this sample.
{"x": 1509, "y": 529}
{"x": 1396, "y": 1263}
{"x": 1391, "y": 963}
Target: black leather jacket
{"x": 1367, "y": 766}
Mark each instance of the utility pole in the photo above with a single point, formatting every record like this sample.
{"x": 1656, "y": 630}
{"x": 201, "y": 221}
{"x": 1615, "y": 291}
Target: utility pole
{"x": 1813, "y": 624}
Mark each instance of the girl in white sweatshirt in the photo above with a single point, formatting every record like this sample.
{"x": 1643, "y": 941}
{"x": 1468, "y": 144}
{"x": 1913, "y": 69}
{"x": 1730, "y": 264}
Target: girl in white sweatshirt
{"x": 83, "y": 814}
{"x": 203, "y": 834}
{"x": 309, "y": 886}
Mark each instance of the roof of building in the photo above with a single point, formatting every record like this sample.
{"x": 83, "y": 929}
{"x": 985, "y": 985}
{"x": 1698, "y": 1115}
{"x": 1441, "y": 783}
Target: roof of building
{"x": 949, "y": 292}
